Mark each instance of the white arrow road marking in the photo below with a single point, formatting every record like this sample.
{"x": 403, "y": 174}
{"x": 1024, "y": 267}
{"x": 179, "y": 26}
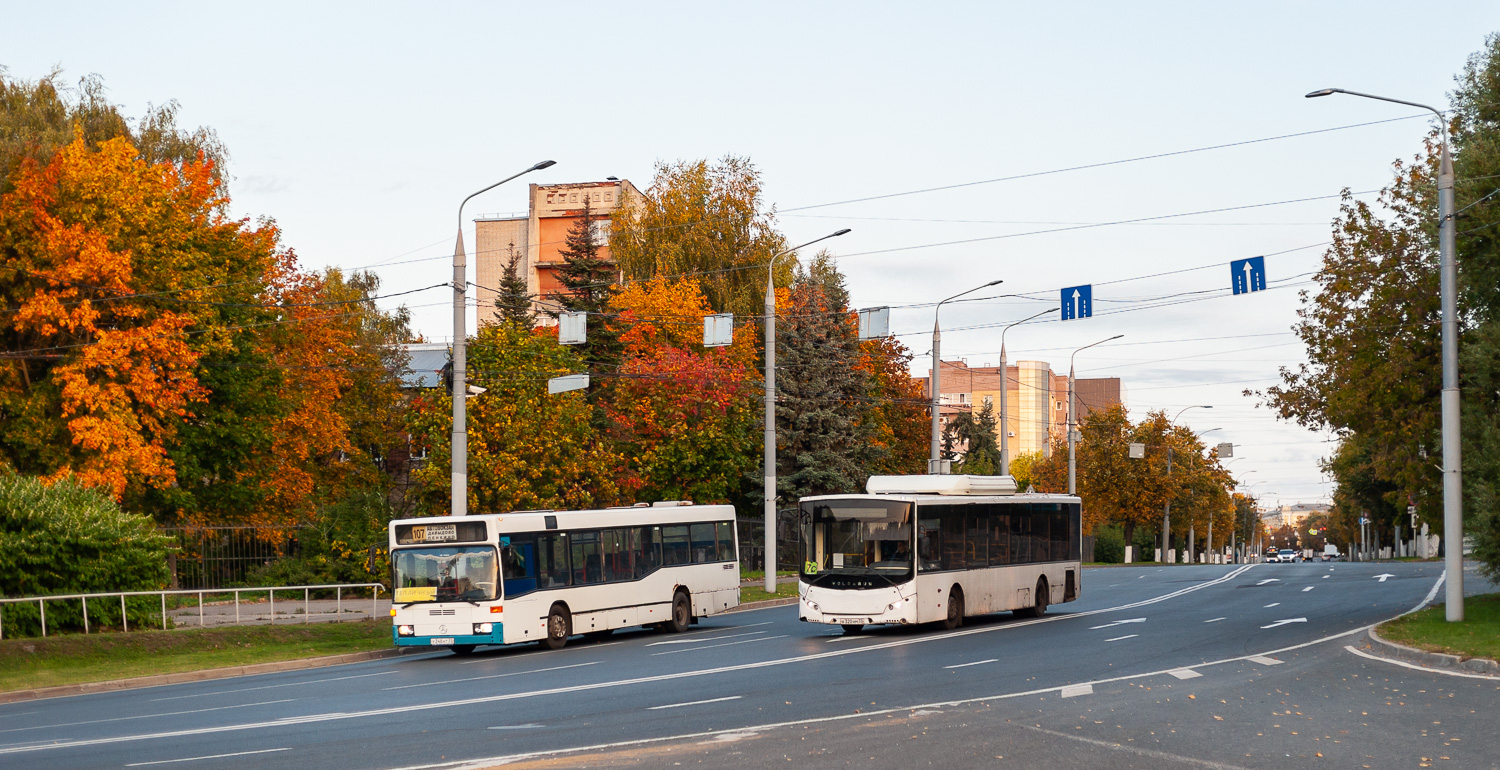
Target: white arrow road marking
{"x": 1184, "y": 673}
{"x": 1117, "y": 622}
{"x": 1305, "y": 590}
{"x": 1215, "y": 620}
{"x": 1269, "y": 580}
{"x": 1383, "y": 577}
{"x": 1284, "y": 622}
{"x": 1075, "y": 690}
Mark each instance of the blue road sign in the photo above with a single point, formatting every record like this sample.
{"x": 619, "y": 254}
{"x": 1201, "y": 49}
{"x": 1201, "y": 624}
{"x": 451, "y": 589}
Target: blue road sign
{"x": 1078, "y": 302}
{"x": 1247, "y": 275}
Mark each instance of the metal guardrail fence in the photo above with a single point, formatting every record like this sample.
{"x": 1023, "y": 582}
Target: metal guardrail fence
{"x": 337, "y": 588}
{"x": 215, "y": 556}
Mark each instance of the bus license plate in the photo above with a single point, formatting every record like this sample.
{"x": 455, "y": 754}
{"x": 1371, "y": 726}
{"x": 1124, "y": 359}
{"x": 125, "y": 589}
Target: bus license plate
{"x": 441, "y": 640}
{"x": 851, "y": 621}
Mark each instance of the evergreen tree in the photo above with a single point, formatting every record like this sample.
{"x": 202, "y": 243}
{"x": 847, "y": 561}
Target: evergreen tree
{"x": 823, "y": 411}
{"x": 514, "y": 300}
{"x": 590, "y": 281}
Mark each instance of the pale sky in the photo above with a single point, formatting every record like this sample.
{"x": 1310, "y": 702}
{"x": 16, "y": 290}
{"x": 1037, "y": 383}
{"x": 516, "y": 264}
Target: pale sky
{"x": 360, "y": 127}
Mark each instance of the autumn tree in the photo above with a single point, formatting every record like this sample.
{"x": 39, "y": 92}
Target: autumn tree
{"x": 898, "y": 408}
{"x": 707, "y": 221}
{"x": 685, "y": 416}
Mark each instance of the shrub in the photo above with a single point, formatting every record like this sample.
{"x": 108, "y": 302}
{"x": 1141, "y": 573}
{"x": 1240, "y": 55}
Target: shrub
{"x": 1109, "y": 545}
{"x": 69, "y": 539}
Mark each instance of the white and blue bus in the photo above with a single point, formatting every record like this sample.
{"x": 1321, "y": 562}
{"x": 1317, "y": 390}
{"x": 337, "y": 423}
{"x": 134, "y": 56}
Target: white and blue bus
{"x": 935, "y": 549}
{"x": 543, "y": 576}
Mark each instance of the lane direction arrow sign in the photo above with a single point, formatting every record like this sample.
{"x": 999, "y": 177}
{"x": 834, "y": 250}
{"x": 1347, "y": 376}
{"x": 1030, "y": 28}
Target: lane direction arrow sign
{"x": 1284, "y": 622}
{"x": 1247, "y": 275}
{"x": 1078, "y": 302}
{"x": 1383, "y": 577}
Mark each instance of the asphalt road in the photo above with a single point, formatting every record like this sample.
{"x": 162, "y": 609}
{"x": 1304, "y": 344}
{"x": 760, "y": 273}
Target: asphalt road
{"x": 1189, "y": 666}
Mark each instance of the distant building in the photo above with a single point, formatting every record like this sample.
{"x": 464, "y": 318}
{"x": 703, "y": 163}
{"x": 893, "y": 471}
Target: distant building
{"x": 1291, "y": 515}
{"x": 538, "y": 234}
{"x": 1037, "y": 409}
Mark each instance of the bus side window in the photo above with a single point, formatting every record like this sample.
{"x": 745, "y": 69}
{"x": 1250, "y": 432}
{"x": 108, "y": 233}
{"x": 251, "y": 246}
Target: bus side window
{"x": 955, "y": 555}
{"x": 1041, "y": 538}
{"x": 978, "y": 536}
{"x": 704, "y": 549}
{"x": 552, "y": 561}
{"x": 1020, "y": 535}
{"x": 726, "y": 540}
{"x": 929, "y": 543}
{"x": 999, "y": 536}
{"x": 674, "y": 545}
{"x": 650, "y": 549}
{"x": 585, "y": 547}
{"x": 1060, "y": 549}
{"x": 616, "y": 556}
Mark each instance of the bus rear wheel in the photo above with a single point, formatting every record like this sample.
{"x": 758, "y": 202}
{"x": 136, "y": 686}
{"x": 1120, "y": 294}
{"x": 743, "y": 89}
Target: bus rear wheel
{"x": 682, "y": 613}
{"x": 559, "y": 627}
{"x": 955, "y": 617}
{"x": 1039, "y": 608}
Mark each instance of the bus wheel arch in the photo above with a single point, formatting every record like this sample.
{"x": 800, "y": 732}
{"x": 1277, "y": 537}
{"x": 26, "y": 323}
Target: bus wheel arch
{"x": 955, "y": 616}
{"x": 682, "y": 611}
{"x": 559, "y": 626}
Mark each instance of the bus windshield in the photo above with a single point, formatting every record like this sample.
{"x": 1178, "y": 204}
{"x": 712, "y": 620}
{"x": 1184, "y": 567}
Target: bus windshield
{"x": 446, "y": 574}
{"x": 857, "y": 537}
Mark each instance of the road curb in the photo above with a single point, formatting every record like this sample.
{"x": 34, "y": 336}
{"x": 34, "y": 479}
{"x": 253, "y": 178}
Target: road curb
{"x": 1386, "y": 648}
{"x": 764, "y": 604}
{"x": 85, "y": 688}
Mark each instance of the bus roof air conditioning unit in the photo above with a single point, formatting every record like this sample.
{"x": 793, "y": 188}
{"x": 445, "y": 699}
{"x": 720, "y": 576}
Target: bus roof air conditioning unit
{"x": 941, "y": 485}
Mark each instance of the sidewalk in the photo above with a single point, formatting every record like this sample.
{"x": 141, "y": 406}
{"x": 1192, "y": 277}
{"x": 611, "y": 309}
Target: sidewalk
{"x": 289, "y": 610}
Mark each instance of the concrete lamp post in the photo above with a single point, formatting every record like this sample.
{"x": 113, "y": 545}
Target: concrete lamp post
{"x": 1005, "y": 394}
{"x": 460, "y": 438}
{"x": 1072, "y": 462}
{"x": 937, "y": 366}
{"x": 1453, "y": 504}
{"x": 770, "y": 427}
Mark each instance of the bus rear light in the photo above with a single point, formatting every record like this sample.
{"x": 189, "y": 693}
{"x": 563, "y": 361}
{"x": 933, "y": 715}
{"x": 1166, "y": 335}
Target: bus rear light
{"x": 483, "y": 628}
{"x": 405, "y": 630}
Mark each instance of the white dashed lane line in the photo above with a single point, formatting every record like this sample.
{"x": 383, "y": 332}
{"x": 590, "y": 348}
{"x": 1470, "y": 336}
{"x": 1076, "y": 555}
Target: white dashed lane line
{"x": 1215, "y": 620}
{"x": 1265, "y": 661}
{"x": 693, "y": 703}
{"x": 975, "y": 663}
{"x": 1119, "y": 638}
{"x": 1075, "y": 690}
{"x": 1184, "y": 673}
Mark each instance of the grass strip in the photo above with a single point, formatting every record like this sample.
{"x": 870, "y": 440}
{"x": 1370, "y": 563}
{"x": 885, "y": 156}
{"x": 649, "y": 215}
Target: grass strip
{"x": 757, "y": 594}
{"x": 77, "y": 658}
{"x": 1478, "y": 636}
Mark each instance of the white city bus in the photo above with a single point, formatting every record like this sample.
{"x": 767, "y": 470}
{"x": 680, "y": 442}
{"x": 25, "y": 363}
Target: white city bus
{"x": 542, "y": 576}
{"x": 922, "y": 549}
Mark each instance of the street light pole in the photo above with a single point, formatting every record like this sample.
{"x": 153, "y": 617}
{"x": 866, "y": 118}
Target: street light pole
{"x": 1166, "y": 516}
{"x": 937, "y": 366}
{"x": 1192, "y": 525}
{"x": 459, "y": 443}
{"x": 1005, "y": 395}
{"x": 1453, "y": 503}
{"x": 1072, "y": 466}
{"x": 770, "y": 427}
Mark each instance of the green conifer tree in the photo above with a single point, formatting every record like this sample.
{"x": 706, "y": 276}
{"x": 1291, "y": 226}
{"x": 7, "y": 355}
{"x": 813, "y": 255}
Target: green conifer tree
{"x": 514, "y": 300}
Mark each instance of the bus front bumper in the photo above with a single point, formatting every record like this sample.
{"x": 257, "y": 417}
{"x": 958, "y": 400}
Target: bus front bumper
{"x": 420, "y": 639}
{"x": 899, "y": 612}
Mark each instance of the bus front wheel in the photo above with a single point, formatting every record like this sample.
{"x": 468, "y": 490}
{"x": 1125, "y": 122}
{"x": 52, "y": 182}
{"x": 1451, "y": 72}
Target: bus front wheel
{"x": 955, "y": 617}
{"x": 559, "y": 627}
{"x": 682, "y": 613}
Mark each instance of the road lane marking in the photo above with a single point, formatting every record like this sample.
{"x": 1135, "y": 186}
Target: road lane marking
{"x": 1443, "y": 671}
{"x": 211, "y": 756}
{"x": 975, "y": 663}
{"x": 1309, "y": 588}
{"x": 726, "y": 644}
{"x": 1269, "y": 580}
{"x": 1286, "y": 621}
{"x": 1117, "y": 622}
{"x": 1382, "y": 578}
{"x": 273, "y": 686}
{"x": 700, "y": 640}
{"x": 491, "y": 676}
{"x": 1119, "y": 638}
{"x": 693, "y": 703}
{"x": 1273, "y": 604}
{"x": 146, "y": 716}
{"x": 1215, "y": 620}
{"x": 407, "y": 708}
{"x": 1263, "y": 660}
{"x": 528, "y": 726}
{"x": 1151, "y": 753}
{"x": 1075, "y": 690}
{"x": 1184, "y": 673}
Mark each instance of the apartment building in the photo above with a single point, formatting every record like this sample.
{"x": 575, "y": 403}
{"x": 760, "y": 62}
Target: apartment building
{"x": 1037, "y": 405}
{"x": 538, "y": 234}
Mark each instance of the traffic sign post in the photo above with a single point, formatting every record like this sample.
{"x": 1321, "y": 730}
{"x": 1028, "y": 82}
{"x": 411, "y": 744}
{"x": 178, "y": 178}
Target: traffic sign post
{"x": 1078, "y": 302}
{"x": 1247, "y": 275}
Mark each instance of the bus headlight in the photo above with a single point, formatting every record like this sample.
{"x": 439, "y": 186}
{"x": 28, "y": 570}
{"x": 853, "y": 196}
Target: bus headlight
{"x": 405, "y": 630}
{"x": 810, "y": 604}
{"x": 483, "y": 628}
{"x": 893, "y": 607}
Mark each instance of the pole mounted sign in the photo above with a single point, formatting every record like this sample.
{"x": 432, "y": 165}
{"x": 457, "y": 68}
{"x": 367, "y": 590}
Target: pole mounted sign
{"x": 1247, "y": 275}
{"x": 1078, "y": 302}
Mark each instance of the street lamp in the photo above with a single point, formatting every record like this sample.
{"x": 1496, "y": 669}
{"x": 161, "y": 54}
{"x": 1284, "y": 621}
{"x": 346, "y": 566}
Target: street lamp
{"x": 1005, "y": 395}
{"x": 1072, "y": 468}
{"x": 937, "y": 367}
{"x": 1453, "y": 504}
{"x": 1192, "y": 525}
{"x": 1166, "y": 516}
{"x": 770, "y": 428}
{"x": 460, "y": 438}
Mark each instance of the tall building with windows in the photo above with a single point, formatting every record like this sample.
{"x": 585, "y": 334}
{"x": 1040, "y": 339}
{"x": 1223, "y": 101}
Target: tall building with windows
{"x": 1037, "y": 406}
{"x": 536, "y": 235}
